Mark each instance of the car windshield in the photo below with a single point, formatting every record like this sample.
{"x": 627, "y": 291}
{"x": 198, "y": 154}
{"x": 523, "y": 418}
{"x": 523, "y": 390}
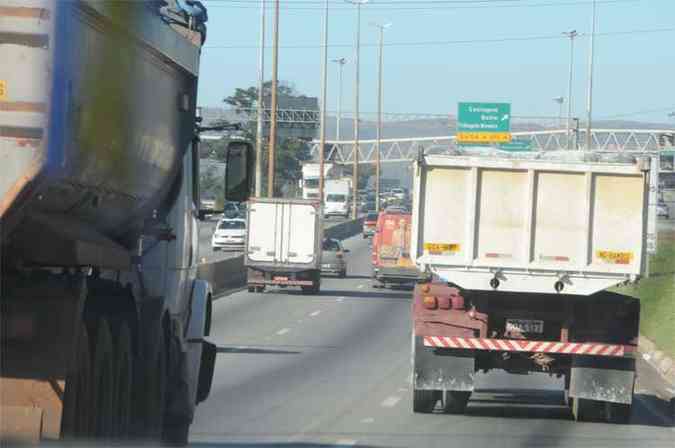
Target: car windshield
{"x": 231, "y": 225}
{"x": 336, "y": 198}
{"x": 312, "y": 182}
{"x": 331, "y": 246}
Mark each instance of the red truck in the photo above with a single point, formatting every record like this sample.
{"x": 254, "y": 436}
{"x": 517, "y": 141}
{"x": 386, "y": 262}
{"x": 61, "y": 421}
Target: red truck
{"x": 391, "y": 250}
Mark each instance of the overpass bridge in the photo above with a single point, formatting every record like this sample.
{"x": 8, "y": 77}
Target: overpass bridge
{"x": 406, "y": 149}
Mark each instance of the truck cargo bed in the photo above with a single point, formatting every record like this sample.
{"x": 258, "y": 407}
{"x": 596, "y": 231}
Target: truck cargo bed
{"x": 554, "y": 224}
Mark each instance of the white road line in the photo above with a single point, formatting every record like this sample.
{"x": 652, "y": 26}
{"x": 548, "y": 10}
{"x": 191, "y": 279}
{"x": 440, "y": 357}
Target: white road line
{"x": 283, "y": 331}
{"x": 390, "y": 402}
{"x": 345, "y": 442}
{"x": 368, "y": 420}
{"x": 360, "y": 286}
{"x": 339, "y": 299}
{"x": 315, "y": 313}
{"x": 403, "y": 389}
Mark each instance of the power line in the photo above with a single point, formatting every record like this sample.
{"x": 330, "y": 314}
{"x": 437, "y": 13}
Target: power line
{"x": 457, "y": 42}
{"x": 420, "y": 6}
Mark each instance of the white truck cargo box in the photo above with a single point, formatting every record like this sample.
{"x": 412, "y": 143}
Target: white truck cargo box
{"x": 284, "y": 232}
{"x": 544, "y": 222}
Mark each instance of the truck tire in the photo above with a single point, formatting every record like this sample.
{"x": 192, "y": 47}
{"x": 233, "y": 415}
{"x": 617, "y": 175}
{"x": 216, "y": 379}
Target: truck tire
{"x": 124, "y": 382}
{"x": 455, "y": 401}
{"x": 343, "y": 273}
{"x": 252, "y": 289}
{"x": 618, "y": 413}
{"x": 153, "y": 390}
{"x": 77, "y": 395}
{"x": 424, "y": 401}
{"x": 585, "y": 410}
{"x": 103, "y": 382}
{"x": 259, "y": 289}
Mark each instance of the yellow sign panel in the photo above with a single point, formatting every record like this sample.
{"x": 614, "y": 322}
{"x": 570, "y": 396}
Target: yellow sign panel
{"x": 612, "y": 257}
{"x": 3, "y": 90}
{"x": 440, "y": 248}
{"x": 483, "y": 137}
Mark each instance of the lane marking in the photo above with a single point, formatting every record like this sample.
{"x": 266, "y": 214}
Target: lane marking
{"x": 368, "y": 420}
{"x": 390, "y": 402}
{"x": 345, "y": 442}
{"x": 360, "y": 286}
{"x": 300, "y": 321}
{"x": 283, "y": 331}
{"x": 315, "y": 313}
{"x": 403, "y": 389}
{"x": 340, "y": 299}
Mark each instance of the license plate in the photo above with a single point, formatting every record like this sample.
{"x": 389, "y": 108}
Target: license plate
{"x": 326, "y": 266}
{"x": 525, "y": 325}
{"x": 281, "y": 279}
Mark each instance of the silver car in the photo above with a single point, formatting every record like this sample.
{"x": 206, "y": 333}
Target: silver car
{"x": 333, "y": 258}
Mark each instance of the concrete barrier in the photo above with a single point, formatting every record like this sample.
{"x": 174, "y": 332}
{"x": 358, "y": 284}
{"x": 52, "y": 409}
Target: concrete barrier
{"x": 230, "y": 274}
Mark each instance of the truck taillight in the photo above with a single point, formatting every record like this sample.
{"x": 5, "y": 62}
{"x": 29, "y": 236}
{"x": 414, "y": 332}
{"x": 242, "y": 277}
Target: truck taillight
{"x": 338, "y": 255}
{"x": 430, "y": 302}
{"x": 425, "y": 288}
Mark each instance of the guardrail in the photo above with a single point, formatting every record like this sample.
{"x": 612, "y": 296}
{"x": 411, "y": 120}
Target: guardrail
{"x": 230, "y": 274}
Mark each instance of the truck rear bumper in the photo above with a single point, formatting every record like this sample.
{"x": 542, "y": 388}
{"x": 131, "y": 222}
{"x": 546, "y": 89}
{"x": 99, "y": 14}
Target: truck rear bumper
{"x": 396, "y": 275}
{"x": 528, "y": 346}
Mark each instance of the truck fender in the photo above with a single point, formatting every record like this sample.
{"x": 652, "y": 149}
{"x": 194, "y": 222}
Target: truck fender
{"x": 201, "y": 354}
{"x": 596, "y": 378}
{"x": 442, "y": 369}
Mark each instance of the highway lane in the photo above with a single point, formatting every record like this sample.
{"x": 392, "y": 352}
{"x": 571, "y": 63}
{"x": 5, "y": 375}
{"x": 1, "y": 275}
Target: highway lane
{"x": 297, "y": 370}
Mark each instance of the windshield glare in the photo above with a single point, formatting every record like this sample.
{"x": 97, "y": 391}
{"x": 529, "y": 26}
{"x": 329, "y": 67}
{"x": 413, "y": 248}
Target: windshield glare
{"x": 231, "y": 225}
{"x": 336, "y": 198}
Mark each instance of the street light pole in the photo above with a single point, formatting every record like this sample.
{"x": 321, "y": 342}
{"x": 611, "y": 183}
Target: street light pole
{"x": 261, "y": 104}
{"x": 355, "y": 169}
{"x": 572, "y": 35}
{"x": 379, "y": 114}
{"x": 341, "y": 62}
{"x": 589, "y": 138}
{"x": 560, "y": 100}
{"x": 273, "y": 106}
{"x": 324, "y": 89}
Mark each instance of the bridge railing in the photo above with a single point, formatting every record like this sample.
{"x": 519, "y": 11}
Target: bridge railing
{"x": 406, "y": 149}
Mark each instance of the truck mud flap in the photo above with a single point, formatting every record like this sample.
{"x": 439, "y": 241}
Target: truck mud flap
{"x": 602, "y": 380}
{"x": 206, "y": 370}
{"x": 442, "y": 369}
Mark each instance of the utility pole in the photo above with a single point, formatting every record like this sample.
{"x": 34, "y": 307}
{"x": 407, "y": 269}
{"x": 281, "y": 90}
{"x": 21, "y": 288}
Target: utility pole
{"x": 355, "y": 174}
{"x": 273, "y": 106}
{"x": 572, "y": 35}
{"x": 324, "y": 89}
{"x": 589, "y": 137}
{"x": 560, "y": 100}
{"x": 341, "y": 62}
{"x": 379, "y": 114}
{"x": 261, "y": 104}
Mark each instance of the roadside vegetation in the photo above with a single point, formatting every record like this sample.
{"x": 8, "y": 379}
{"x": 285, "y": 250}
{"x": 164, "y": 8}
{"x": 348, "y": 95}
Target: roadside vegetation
{"x": 657, "y": 296}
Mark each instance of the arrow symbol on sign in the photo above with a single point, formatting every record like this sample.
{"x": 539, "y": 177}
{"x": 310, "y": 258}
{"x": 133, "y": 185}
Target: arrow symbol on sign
{"x": 505, "y": 117}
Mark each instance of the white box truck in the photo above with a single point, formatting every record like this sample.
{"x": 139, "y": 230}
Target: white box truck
{"x": 337, "y": 197}
{"x": 283, "y": 246}
{"x": 519, "y": 252}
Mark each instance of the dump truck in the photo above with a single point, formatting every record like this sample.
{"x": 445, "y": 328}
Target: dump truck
{"x": 283, "y": 245}
{"x": 103, "y": 315}
{"x": 391, "y": 260}
{"x": 519, "y": 253}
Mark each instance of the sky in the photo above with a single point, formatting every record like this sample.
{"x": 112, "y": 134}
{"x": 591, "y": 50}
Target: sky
{"x": 528, "y": 66}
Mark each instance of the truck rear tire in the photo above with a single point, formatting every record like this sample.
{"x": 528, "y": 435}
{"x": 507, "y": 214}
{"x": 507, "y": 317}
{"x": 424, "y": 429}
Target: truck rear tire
{"x": 424, "y": 401}
{"x": 103, "y": 382}
{"x": 252, "y": 289}
{"x": 455, "y": 401}
{"x": 78, "y": 395}
{"x": 618, "y": 413}
{"x": 153, "y": 390}
{"x": 124, "y": 382}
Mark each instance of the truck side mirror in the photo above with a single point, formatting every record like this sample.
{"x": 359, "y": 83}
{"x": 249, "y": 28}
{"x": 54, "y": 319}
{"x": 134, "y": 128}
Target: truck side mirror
{"x": 238, "y": 171}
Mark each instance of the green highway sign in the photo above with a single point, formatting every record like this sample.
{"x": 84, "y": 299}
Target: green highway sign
{"x": 484, "y": 123}
{"x": 516, "y": 145}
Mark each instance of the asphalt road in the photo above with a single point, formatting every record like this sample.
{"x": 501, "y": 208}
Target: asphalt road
{"x": 334, "y": 369}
